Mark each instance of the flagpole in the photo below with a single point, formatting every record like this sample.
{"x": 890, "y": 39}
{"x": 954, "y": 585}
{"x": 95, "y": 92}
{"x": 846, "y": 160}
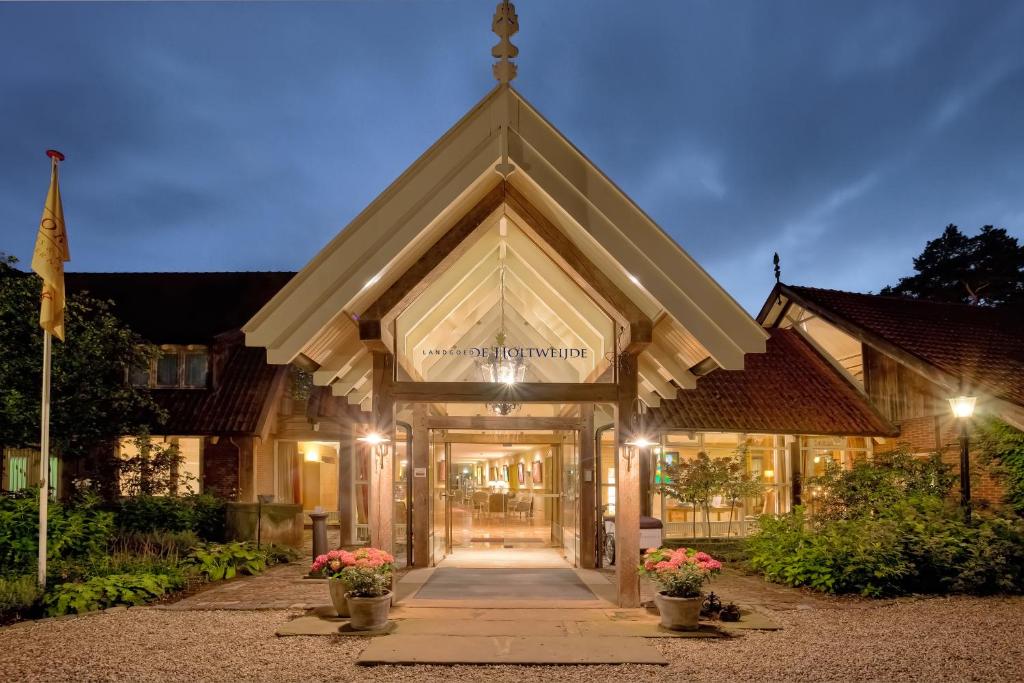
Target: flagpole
{"x": 44, "y": 456}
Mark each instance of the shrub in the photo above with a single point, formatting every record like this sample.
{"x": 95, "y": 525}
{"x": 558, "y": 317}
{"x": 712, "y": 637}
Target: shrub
{"x": 369, "y": 575}
{"x": 19, "y": 597}
{"x": 202, "y": 515}
{"x": 107, "y": 591}
{"x": 863, "y": 556}
{"x": 218, "y": 561}
{"x": 74, "y": 533}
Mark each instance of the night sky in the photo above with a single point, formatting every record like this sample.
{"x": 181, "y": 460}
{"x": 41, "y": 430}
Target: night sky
{"x": 244, "y": 136}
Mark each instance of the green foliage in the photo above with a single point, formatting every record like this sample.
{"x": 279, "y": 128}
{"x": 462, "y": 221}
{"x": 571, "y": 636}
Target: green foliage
{"x": 218, "y": 561}
{"x": 280, "y": 554}
{"x": 19, "y": 597}
{"x": 698, "y": 480}
{"x": 888, "y": 528}
{"x": 873, "y": 488}
{"x": 75, "y": 534}
{"x": 202, "y": 515}
{"x": 847, "y": 556}
{"x": 154, "y": 470}
{"x": 101, "y": 592}
{"x": 93, "y": 404}
{"x": 367, "y": 582}
{"x": 1003, "y": 446}
{"x": 986, "y": 269}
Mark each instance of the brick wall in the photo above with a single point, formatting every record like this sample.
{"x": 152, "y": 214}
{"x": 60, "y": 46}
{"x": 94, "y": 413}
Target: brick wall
{"x": 220, "y": 468}
{"x": 942, "y": 433}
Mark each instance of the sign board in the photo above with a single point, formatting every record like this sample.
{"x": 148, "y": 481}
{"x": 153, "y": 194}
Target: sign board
{"x": 420, "y": 472}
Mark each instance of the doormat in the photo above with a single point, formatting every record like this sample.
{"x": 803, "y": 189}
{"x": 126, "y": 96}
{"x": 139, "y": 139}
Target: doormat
{"x": 456, "y": 583}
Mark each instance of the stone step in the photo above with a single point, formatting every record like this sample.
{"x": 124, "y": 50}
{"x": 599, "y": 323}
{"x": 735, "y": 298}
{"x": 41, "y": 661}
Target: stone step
{"x": 446, "y": 649}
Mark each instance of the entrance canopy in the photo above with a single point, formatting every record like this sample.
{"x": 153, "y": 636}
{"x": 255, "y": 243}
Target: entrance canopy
{"x": 503, "y": 224}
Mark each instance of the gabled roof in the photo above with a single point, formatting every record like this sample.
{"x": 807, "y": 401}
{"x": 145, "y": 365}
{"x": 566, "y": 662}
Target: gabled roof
{"x": 181, "y": 308}
{"x": 789, "y": 389}
{"x": 983, "y": 346}
{"x": 313, "y": 313}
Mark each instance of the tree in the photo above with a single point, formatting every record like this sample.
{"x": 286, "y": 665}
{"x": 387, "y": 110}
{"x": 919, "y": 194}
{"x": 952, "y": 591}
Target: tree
{"x": 92, "y": 402}
{"x": 738, "y": 483}
{"x": 696, "y": 481}
{"x": 986, "y": 269}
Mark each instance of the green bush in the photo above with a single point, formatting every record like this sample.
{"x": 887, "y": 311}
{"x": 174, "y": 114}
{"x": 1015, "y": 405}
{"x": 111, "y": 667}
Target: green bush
{"x": 74, "y": 533}
{"x": 887, "y": 528}
{"x": 847, "y": 556}
{"x": 202, "y": 515}
{"x": 19, "y": 597}
{"x": 101, "y": 592}
{"x": 218, "y": 561}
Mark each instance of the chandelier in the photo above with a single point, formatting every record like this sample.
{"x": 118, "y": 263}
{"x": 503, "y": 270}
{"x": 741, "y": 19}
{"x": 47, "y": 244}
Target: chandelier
{"x": 505, "y": 365}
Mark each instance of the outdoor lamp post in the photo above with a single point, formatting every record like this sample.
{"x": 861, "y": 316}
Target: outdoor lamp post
{"x": 963, "y": 409}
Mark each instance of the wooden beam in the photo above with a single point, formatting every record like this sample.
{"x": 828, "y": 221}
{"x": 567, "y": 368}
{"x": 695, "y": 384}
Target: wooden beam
{"x": 498, "y": 423}
{"x": 560, "y": 249}
{"x": 627, "y": 489}
{"x": 415, "y": 280}
{"x": 420, "y": 486}
{"x": 487, "y": 392}
{"x": 588, "y": 491}
{"x": 382, "y": 505}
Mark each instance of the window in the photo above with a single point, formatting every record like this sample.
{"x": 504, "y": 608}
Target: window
{"x": 167, "y": 369}
{"x": 175, "y": 367}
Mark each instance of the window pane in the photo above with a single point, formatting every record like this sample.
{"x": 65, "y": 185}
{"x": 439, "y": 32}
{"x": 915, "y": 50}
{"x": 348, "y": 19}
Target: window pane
{"x": 139, "y": 377}
{"x": 167, "y": 369}
{"x": 188, "y": 469}
{"x": 195, "y": 369}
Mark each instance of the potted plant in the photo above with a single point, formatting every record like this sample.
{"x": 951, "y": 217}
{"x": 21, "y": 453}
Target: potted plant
{"x": 369, "y": 594}
{"x": 331, "y": 566}
{"x": 680, "y": 574}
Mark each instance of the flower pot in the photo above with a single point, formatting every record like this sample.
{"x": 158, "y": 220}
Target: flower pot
{"x": 369, "y": 614}
{"x": 678, "y": 614}
{"x": 338, "y": 589}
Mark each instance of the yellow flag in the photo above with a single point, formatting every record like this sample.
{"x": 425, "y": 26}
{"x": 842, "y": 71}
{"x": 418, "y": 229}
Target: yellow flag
{"x": 48, "y": 259}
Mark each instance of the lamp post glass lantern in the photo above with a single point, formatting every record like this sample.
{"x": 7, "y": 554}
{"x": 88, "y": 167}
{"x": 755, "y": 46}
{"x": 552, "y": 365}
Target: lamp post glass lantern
{"x": 963, "y": 410}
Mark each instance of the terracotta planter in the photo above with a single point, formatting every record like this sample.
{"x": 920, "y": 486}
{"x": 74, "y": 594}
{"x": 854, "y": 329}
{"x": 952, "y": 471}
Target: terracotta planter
{"x": 369, "y": 614}
{"x": 678, "y": 614}
{"x": 338, "y": 588}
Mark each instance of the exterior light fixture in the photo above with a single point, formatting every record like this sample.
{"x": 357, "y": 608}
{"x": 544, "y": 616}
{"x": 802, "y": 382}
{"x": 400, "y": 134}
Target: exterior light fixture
{"x": 379, "y": 443}
{"x": 962, "y": 406}
{"x": 963, "y": 410}
{"x": 639, "y": 437}
{"x": 311, "y": 455}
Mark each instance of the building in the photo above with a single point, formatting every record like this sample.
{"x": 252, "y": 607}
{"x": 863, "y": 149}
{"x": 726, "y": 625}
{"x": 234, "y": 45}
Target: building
{"x": 503, "y": 348}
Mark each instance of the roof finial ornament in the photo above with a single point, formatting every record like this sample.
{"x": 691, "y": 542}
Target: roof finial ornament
{"x": 505, "y": 25}
{"x": 778, "y": 276}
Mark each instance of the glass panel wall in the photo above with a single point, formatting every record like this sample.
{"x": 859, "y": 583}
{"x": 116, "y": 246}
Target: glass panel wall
{"x": 817, "y": 451}
{"x": 401, "y": 495}
{"x": 762, "y": 457}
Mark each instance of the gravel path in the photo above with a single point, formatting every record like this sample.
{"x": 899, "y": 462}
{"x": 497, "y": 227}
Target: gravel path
{"x": 948, "y": 639}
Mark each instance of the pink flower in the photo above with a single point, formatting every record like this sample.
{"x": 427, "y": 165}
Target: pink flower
{"x": 702, "y": 557}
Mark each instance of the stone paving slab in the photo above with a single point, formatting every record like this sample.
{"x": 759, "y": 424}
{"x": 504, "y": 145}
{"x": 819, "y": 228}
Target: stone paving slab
{"x": 320, "y": 626}
{"x": 751, "y": 620}
{"x": 518, "y": 613}
{"x": 643, "y": 629}
{"x": 467, "y": 627}
{"x": 402, "y": 649}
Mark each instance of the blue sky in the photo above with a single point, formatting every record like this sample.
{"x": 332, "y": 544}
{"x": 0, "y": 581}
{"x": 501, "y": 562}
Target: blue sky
{"x": 244, "y": 136}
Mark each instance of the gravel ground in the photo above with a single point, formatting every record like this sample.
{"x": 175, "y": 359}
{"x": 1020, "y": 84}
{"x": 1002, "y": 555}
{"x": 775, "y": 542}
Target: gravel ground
{"x": 947, "y": 639}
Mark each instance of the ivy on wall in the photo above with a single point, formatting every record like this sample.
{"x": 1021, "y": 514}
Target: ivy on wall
{"x": 1002, "y": 446}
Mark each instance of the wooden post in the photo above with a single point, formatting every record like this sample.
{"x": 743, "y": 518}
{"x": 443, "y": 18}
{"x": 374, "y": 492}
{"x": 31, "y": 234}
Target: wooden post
{"x": 346, "y": 485}
{"x": 588, "y": 490}
{"x": 382, "y": 460}
{"x": 420, "y": 486}
{"x": 627, "y": 489}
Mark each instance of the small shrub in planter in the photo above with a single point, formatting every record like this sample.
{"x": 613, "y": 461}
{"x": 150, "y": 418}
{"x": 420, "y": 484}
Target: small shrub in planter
{"x": 680, "y": 574}
{"x": 369, "y": 582}
{"x": 330, "y": 566}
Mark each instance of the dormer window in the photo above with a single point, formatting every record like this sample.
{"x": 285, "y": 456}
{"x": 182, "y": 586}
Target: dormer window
{"x": 177, "y": 367}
